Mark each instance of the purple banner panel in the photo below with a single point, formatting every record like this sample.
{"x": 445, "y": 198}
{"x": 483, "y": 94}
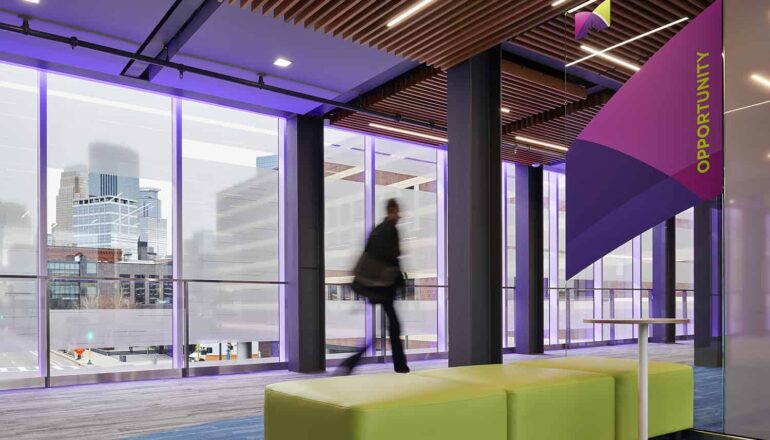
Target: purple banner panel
{"x": 654, "y": 150}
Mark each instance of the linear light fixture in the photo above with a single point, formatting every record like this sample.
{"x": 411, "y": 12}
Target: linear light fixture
{"x": 505, "y": 109}
{"x": 761, "y": 79}
{"x": 33, "y": 1}
{"x": 630, "y": 40}
{"x": 409, "y": 132}
{"x": 527, "y": 140}
{"x": 409, "y": 12}
{"x": 580, "y": 6}
{"x": 608, "y": 57}
{"x": 558, "y": 2}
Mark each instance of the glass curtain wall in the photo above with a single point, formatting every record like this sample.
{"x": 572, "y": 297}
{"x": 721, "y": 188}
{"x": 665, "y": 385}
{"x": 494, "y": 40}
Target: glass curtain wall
{"x": 18, "y": 224}
{"x": 230, "y": 223}
{"x": 109, "y": 215}
{"x": 411, "y": 174}
{"x": 108, "y": 262}
{"x": 344, "y": 235}
{"x": 509, "y": 254}
{"x": 617, "y": 286}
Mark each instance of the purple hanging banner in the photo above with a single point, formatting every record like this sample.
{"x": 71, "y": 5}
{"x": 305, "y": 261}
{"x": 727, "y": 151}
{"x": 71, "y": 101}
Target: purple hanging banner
{"x": 654, "y": 150}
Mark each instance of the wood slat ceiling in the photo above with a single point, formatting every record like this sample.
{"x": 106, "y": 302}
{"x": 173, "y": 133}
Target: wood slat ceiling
{"x": 447, "y": 32}
{"x": 442, "y": 34}
{"x": 555, "y": 38}
{"x": 426, "y": 99}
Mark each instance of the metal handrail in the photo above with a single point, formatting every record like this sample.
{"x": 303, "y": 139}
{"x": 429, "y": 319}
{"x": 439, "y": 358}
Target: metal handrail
{"x": 153, "y": 279}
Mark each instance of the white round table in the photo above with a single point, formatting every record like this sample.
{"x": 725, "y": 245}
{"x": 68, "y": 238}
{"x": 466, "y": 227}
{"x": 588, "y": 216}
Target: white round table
{"x": 644, "y": 325}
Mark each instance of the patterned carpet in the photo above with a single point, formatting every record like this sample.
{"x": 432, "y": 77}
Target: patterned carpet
{"x": 250, "y": 428}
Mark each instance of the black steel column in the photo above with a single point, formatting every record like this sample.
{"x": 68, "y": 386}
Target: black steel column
{"x": 529, "y": 260}
{"x": 474, "y": 211}
{"x": 663, "y": 303}
{"x": 708, "y": 284}
{"x": 304, "y": 226}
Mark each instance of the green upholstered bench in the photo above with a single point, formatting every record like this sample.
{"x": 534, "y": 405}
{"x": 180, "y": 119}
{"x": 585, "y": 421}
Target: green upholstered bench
{"x": 546, "y": 403}
{"x": 670, "y": 392}
{"x": 384, "y": 407}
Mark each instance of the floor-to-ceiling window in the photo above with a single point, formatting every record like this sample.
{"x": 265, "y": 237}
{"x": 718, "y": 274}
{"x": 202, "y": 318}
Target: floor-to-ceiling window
{"x": 18, "y": 223}
{"x": 411, "y": 174}
{"x": 111, "y": 197}
{"x": 344, "y": 235}
{"x": 231, "y": 234}
{"x": 509, "y": 253}
{"x": 408, "y": 173}
{"x": 109, "y": 215}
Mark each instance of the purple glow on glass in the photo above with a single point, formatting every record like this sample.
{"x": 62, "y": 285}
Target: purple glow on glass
{"x": 504, "y": 209}
{"x": 282, "y": 354}
{"x": 178, "y": 315}
{"x": 553, "y": 254}
{"x": 369, "y": 173}
{"x": 441, "y": 176}
{"x": 42, "y": 225}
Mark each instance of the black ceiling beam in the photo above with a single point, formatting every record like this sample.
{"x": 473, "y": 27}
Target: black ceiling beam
{"x": 260, "y": 84}
{"x": 177, "y": 26}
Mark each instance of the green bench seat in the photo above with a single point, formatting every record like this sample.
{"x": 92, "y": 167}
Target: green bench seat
{"x": 545, "y": 403}
{"x": 670, "y": 392}
{"x": 384, "y": 407}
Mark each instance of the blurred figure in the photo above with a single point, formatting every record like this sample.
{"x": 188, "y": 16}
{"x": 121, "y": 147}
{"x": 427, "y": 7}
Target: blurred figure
{"x": 378, "y": 276}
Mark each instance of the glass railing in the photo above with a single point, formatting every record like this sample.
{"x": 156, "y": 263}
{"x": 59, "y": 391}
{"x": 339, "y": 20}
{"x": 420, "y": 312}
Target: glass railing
{"x": 685, "y": 308}
{"x": 566, "y": 309}
{"x": 232, "y": 323}
{"x": 18, "y": 329}
{"x": 351, "y": 321}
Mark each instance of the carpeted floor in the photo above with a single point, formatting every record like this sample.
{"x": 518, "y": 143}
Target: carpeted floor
{"x": 249, "y": 428}
{"x": 231, "y": 407}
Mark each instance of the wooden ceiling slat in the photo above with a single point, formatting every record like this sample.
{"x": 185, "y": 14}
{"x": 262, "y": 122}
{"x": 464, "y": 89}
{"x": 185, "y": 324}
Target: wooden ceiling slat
{"x": 373, "y": 35}
{"x": 380, "y": 21}
{"x": 335, "y": 14}
{"x": 336, "y": 24}
{"x": 266, "y": 6}
{"x": 284, "y": 6}
{"x": 379, "y": 8}
{"x": 302, "y": 17}
{"x": 430, "y": 25}
{"x": 470, "y": 28}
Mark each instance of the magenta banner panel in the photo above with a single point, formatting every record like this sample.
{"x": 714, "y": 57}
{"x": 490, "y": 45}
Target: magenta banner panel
{"x": 654, "y": 150}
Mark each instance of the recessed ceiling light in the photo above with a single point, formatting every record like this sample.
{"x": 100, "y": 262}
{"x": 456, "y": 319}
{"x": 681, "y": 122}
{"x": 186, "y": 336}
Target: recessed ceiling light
{"x": 580, "y": 6}
{"x": 527, "y": 140}
{"x": 282, "y": 62}
{"x": 505, "y": 110}
{"x": 607, "y": 57}
{"x": 623, "y": 43}
{"x": 409, "y": 12}
{"x": 33, "y": 1}
{"x": 409, "y": 132}
{"x": 761, "y": 79}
